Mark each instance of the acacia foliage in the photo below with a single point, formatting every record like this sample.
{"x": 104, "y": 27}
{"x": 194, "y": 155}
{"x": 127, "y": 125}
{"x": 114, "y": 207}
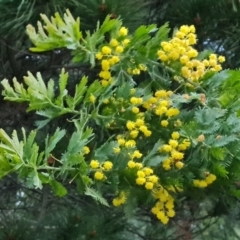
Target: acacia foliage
{"x": 151, "y": 130}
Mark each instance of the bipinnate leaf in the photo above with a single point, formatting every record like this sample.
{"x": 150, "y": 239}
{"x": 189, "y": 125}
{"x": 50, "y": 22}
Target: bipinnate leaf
{"x": 55, "y": 33}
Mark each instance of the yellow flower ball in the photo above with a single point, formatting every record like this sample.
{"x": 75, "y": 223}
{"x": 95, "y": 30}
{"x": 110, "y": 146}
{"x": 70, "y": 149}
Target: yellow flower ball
{"x": 213, "y": 56}
{"x": 180, "y": 34}
{"x": 163, "y": 57}
{"x": 153, "y": 179}
{"x": 86, "y": 150}
{"x": 218, "y": 68}
{"x": 98, "y": 175}
{"x": 149, "y": 185}
{"x": 164, "y": 123}
{"x": 121, "y": 141}
{"x": 210, "y": 178}
{"x": 192, "y": 29}
{"x": 221, "y": 59}
{"x": 202, "y": 184}
{"x": 172, "y": 112}
{"x": 116, "y": 150}
{"x": 212, "y": 62}
{"x": 173, "y": 143}
{"x": 135, "y": 100}
{"x": 177, "y": 155}
{"x": 147, "y": 133}
{"x": 134, "y": 133}
{"x": 130, "y": 143}
{"x": 136, "y": 71}
{"x": 143, "y": 128}
{"x": 130, "y": 125}
{"x": 99, "y": 56}
{"x": 171, "y": 213}
{"x": 123, "y": 31}
{"x": 148, "y": 171}
{"x": 192, "y": 53}
{"x": 184, "y": 29}
{"x": 154, "y": 210}
{"x": 161, "y": 94}
{"x": 179, "y": 165}
{"x": 116, "y": 202}
{"x": 184, "y": 59}
{"x": 119, "y": 49}
{"x": 167, "y": 47}
{"x": 107, "y": 165}
{"x": 139, "y": 122}
{"x": 136, "y": 154}
{"x": 105, "y": 75}
{"x": 142, "y": 67}
{"x": 104, "y": 83}
{"x": 140, "y": 181}
{"x": 175, "y": 135}
{"x": 186, "y": 72}
{"x": 115, "y": 59}
{"x": 114, "y": 42}
{"x": 94, "y": 164}
{"x": 166, "y": 166}
{"x": 169, "y": 205}
{"x": 140, "y": 174}
{"x": 92, "y": 98}
{"x": 135, "y": 110}
{"x": 131, "y": 164}
{"x": 167, "y": 148}
{"x": 106, "y": 50}
{"x": 139, "y": 165}
{"x": 105, "y": 65}
{"x": 126, "y": 41}
{"x": 160, "y": 111}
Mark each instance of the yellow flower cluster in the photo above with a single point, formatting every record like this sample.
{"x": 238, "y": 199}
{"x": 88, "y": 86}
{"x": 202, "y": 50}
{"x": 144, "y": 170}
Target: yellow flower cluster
{"x": 210, "y": 178}
{"x": 175, "y": 150}
{"x": 135, "y": 127}
{"x": 160, "y": 104}
{"x": 120, "y": 199}
{"x": 145, "y": 176}
{"x": 110, "y": 55}
{"x": 179, "y": 49}
{"x": 136, "y": 69}
{"x": 105, "y": 166}
{"x": 164, "y": 208}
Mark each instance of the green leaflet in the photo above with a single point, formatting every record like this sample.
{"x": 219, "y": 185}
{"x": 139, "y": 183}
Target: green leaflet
{"x": 73, "y": 155}
{"x": 156, "y": 160}
{"x": 218, "y": 153}
{"x": 95, "y": 89}
{"x": 152, "y": 153}
{"x": 105, "y": 151}
{"x": 80, "y": 90}
{"x": 11, "y": 145}
{"x": 51, "y": 142}
{"x": 96, "y": 196}
{"x": 33, "y": 180}
{"x": 58, "y": 188}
